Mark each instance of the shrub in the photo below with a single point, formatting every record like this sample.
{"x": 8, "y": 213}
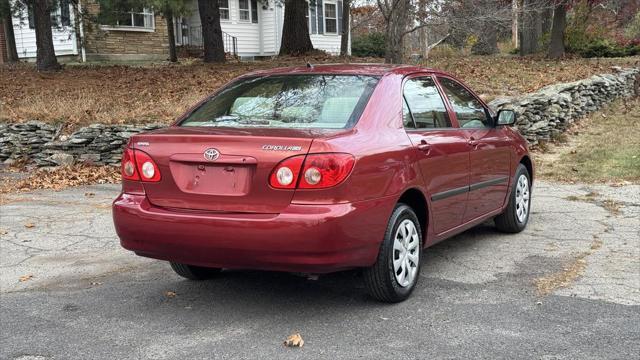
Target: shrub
{"x": 604, "y": 48}
{"x": 372, "y": 44}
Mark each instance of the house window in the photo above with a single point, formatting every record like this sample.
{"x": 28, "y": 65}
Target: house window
{"x": 60, "y": 15}
{"x": 136, "y": 20}
{"x": 245, "y": 10}
{"x": 248, "y": 10}
{"x": 224, "y": 9}
{"x": 330, "y": 18}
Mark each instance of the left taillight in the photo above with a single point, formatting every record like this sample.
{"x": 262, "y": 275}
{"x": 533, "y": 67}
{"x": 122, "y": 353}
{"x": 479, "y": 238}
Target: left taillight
{"x": 139, "y": 166}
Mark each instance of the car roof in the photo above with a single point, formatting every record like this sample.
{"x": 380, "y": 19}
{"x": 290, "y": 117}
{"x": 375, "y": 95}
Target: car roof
{"x": 375, "y": 69}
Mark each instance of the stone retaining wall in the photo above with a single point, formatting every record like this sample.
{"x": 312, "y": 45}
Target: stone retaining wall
{"x": 542, "y": 115}
{"x": 549, "y": 111}
{"x": 43, "y": 145}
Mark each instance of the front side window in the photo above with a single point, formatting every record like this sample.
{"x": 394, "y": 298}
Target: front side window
{"x": 245, "y": 10}
{"x": 469, "y": 111}
{"x": 330, "y": 18}
{"x": 224, "y": 9}
{"x": 287, "y": 101}
{"x": 424, "y": 105}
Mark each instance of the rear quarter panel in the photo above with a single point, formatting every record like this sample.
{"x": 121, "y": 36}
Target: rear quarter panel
{"x": 384, "y": 166}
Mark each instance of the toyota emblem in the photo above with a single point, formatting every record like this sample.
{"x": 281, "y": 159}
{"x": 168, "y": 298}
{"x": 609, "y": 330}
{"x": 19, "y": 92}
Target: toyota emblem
{"x": 211, "y": 154}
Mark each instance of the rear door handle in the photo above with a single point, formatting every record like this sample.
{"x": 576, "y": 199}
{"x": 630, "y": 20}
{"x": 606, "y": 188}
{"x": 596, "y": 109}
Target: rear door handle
{"x": 424, "y": 146}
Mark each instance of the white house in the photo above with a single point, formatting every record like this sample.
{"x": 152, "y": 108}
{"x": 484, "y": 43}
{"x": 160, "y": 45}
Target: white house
{"x": 255, "y": 27}
{"x": 64, "y": 39}
{"x": 251, "y": 28}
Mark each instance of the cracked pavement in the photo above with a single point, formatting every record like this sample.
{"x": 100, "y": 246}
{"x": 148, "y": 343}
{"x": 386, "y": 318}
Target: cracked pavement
{"x": 477, "y": 297}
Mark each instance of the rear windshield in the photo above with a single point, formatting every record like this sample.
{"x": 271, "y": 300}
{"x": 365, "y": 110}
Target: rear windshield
{"x": 287, "y": 101}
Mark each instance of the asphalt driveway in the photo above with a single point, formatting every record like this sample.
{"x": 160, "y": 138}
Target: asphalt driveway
{"x": 568, "y": 287}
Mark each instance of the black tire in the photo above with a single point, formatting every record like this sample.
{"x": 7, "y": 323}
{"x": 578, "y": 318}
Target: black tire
{"x": 508, "y": 221}
{"x": 192, "y": 272}
{"x": 380, "y": 279}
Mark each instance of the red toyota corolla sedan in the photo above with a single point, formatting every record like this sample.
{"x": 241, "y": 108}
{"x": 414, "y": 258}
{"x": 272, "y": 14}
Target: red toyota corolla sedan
{"x": 322, "y": 168}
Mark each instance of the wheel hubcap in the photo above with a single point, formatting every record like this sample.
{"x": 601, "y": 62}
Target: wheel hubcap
{"x": 406, "y": 253}
{"x": 522, "y": 198}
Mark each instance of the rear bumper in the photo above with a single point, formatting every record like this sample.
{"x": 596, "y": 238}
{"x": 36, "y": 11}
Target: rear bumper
{"x": 302, "y": 238}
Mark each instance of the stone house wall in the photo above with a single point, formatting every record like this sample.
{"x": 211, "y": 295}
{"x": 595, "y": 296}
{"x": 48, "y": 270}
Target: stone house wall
{"x": 123, "y": 44}
{"x": 541, "y": 115}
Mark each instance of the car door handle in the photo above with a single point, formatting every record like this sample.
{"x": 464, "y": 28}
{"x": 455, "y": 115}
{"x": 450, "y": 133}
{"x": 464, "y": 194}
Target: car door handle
{"x": 424, "y": 146}
{"x": 472, "y": 142}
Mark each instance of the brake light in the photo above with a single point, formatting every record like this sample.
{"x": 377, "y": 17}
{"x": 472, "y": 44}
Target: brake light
{"x": 147, "y": 168}
{"x": 128, "y": 166}
{"x": 138, "y": 165}
{"x": 315, "y": 171}
{"x": 326, "y": 170}
{"x": 285, "y": 174}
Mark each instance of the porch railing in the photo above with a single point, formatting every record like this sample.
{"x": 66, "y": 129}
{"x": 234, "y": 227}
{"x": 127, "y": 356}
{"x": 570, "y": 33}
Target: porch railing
{"x": 192, "y": 36}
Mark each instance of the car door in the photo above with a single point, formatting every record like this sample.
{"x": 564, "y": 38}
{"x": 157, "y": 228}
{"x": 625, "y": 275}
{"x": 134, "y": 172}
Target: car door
{"x": 489, "y": 156}
{"x": 441, "y": 150}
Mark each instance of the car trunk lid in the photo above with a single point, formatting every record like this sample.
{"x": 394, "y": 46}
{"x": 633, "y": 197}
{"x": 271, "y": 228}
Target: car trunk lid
{"x": 233, "y": 177}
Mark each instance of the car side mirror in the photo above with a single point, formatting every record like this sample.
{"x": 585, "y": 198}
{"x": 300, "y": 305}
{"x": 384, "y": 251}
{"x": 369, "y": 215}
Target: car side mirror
{"x": 505, "y": 117}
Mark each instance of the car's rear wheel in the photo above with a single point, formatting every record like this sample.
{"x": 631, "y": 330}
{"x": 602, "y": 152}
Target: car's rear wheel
{"x": 516, "y": 216}
{"x": 396, "y": 271}
{"x": 192, "y": 272}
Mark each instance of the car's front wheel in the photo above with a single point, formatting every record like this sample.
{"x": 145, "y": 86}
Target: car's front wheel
{"x": 396, "y": 271}
{"x": 192, "y": 272}
{"x": 516, "y": 216}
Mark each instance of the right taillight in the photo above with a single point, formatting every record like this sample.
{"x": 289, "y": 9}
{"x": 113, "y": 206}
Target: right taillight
{"x": 321, "y": 171}
{"x": 315, "y": 171}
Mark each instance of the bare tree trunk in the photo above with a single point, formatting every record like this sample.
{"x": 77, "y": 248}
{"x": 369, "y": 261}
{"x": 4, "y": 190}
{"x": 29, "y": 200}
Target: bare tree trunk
{"x": 396, "y": 28}
{"x": 423, "y": 37}
{"x": 531, "y": 28}
{"x": 295, "y": 29}
{"x": 515, "y": 15}
{"x": 211, "y": 31}
{"x": 346, "y": 15}
{"x": 546, "y": 19}
{"x": 173, "y": 56}
{"x": 556, "y": 46}
{"x": 45, "y": 53}
{"x": 487, "y": 42}
{"x": 10, "y": 38}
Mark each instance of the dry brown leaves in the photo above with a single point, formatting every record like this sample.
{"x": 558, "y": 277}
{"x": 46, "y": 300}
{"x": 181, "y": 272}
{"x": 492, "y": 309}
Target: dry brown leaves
{"x": 63, "y": 177}
{"x": 170, "y": 294}
{"x": 24, "y": 278}
{"x": 294, "y": 340}
{"x": 161, "y": 92}
{"x": 546, "y": 285}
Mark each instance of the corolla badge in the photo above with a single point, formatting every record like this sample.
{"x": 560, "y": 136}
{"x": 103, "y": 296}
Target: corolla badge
{"x": 211, "y": 154}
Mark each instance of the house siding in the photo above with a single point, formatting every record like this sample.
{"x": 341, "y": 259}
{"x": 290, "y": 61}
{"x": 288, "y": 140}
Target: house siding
{"x": 123, "y": 44}
{"x": 263, "y": 38}
{"x": 64, "y": 39}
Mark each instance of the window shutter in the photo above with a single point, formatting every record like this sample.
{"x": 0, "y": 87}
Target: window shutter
{"x": 254, "y": 11}
{"x": 339, "y": 6}
{"x": 313, "y": 20}
{"x": 320, "y": 16}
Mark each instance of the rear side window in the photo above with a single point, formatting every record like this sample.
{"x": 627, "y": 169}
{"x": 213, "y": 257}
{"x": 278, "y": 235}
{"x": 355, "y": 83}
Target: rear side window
{"x": 287, "y": 101}
{"x": 469, "y": 111}
{"x": 424, "y": 104}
